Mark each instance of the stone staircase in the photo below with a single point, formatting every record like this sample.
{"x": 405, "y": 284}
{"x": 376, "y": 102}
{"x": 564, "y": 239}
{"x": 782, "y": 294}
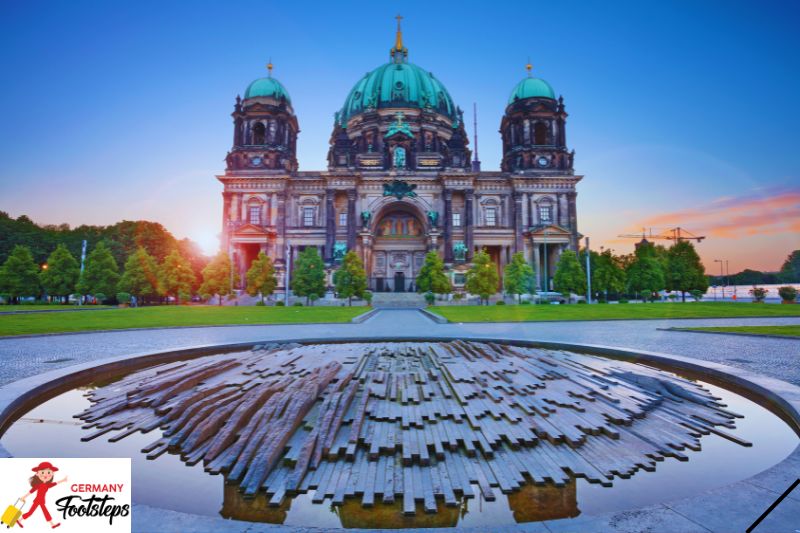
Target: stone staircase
{"x": 390, "y": 300}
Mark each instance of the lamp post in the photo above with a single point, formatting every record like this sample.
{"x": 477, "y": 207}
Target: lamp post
{"x": 588, "y": 273}
{"x": 546, "y": 266}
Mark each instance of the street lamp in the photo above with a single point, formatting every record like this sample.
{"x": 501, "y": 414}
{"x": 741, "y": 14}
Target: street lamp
{"x": 721, "y": 276}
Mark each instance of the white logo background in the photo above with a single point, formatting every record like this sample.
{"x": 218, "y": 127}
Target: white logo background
{"x": 14, "y": 476}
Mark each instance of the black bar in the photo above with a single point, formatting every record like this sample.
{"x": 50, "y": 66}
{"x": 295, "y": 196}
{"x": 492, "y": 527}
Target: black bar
{"x": 773, "y": 506}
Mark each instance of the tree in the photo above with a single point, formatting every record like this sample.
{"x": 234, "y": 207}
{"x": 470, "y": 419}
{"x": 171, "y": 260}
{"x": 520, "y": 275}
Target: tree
{"x": 101, "y": 274}
{"x": 217, "y": 277}
{"x": 308, "y": 276}
{"x": 176, "y": 276}
{"x": 569, "y": 276}
{"x": 518, "y": 276}
{"x": 261, "y": 277}
{"x": 351, "y": 279}
{"x": 61, "y": 275}
{"x": 645, "y": 273}
{"x": 607, "y": 273}
{"x": 19, "y": 275}
{"x": 684, "y": 270}
{"x": 482, "y": 278}
{"x": 431, "y": 276}
{"x": 790, "y": 270}
{"x": 141, "y": 275}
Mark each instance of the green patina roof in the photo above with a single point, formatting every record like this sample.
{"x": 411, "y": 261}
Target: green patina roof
{"x": 531, "y": 88}
{"x": 267, "y": 87}
{"x": 398, "y": 84}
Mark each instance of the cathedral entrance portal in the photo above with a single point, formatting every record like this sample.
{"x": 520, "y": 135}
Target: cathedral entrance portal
{"x": 399, "y": 282}
{"x": 398, "y": 250}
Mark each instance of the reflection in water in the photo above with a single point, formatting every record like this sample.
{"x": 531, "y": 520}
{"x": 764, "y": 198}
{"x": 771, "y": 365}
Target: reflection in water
{"x": 50, "y": 430}
{"x": 532, "y": 503}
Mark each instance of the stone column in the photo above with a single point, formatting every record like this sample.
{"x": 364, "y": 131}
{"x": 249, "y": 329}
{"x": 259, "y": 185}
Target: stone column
{"x": 330, "y": 225}
{"x": 273, "y": 211}
{"x": 518, "y": 224}
{"x": 351, "y": 219}
{"x": 280, "y": 241}
{"x": 573, "y": 221}
{"x": 448, "y": 226}
{"x": 226, "y": 213}
{"x": 537, "y": 264}
{"x": 469, "y": 195}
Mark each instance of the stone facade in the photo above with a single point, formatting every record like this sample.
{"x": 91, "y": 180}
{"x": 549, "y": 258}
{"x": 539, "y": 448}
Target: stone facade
{"x": 400, "y": 181}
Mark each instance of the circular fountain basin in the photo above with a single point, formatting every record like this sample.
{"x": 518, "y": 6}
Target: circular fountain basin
{"x": 407, "y": 434}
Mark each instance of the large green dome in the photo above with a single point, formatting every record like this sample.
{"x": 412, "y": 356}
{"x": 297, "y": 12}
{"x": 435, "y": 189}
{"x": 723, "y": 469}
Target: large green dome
{"x": 398, "y": 84}
{"x": 267, "y": 87}
{"x": 531, "y": 88}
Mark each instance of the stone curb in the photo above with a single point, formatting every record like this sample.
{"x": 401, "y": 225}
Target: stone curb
{"x": 439, "y": 319}
{"x": 736, "y": 505}
{"x": 737, "y": 333}
{"x": 363, "y": 317}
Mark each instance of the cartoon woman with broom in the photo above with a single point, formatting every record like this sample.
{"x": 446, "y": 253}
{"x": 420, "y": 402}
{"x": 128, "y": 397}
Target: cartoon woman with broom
{"x": 41, "y": 482}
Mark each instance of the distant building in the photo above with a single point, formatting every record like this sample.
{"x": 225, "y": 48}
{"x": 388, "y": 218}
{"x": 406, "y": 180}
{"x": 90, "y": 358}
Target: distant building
{"x": 400, "y": 180}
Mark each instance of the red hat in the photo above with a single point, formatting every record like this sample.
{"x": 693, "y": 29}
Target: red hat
{"x": 46, "y": 465}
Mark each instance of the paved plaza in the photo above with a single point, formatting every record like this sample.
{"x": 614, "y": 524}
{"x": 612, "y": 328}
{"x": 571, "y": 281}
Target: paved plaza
{"x": 777, "y": 358}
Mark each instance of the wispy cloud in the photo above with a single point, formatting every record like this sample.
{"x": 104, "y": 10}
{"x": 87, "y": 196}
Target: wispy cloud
{"x": 759, "y": 212}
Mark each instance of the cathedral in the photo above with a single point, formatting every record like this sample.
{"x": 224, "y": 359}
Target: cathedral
{"x": 401, "y": 180}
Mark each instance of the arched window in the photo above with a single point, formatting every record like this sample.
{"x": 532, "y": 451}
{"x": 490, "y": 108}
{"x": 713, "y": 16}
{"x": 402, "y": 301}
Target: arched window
{"x": 540, "y": 133}
{"x": 258, "y": 133}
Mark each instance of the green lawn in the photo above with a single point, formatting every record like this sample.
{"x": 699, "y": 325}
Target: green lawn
{"x": 536, "y": 313}
{"x": 787, "y": 331}
{"x": 168, "y": 316}
{"x": 49, "y": 307}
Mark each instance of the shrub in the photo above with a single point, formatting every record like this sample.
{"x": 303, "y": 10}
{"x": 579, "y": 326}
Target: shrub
{"x": 581, "y": 301}
{"x": 458, "y": 296}
{"x": 623, "y": 300}
{"x": 697, "y": 294}
{"x": 758, "y": 294}
{"x": 298, "y": 304}
{"x": 123, "y": 297}
{"x": 525, "y": 302}
{"x": 100, "y": 297}
{"x": 261, "y": 303}
{"x": 280, "y": 303}
{"x": 499, "y": 302}
{"x": 673, "y": 297}
{"x": 313, "y": 297}
{"x": 368, "y": 297}
{"x": 787, "y": 293}
{"x": 430, "y": 298}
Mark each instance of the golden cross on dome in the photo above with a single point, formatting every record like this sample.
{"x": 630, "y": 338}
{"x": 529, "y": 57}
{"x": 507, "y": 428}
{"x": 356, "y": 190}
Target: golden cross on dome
{"x": 529, "y": 67}
{"x": 269, "y": 67}
{"x": 398, "y": 44}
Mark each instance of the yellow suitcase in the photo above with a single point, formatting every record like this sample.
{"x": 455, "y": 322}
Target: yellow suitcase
{"x": 11, "y": 515}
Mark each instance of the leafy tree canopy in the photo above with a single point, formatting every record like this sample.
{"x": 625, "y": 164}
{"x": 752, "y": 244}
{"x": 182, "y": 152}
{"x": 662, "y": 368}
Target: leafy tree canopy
{"x": 308, "y": 276}
{"x": 569, "y": 277}
{"x": 351, "y": 278}
{"x": 61, "y": 275}
{"x": 19, "y": 275}
{"x": 261, "y": 276}
{"x": 176, "y": 276}
{"x": 482, "y": 277}
{"x": 790, "y": 270}
{"x": 217, "y": 277}
{"x": 685, "y": 271}
{"x": 431, "y": 276}
{"x": 100, "y": 274}
{"x": 518, "y": 276}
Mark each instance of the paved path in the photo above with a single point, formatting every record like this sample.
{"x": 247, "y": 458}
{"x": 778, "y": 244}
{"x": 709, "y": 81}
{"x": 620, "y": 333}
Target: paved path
{"x": 779, "y": 358}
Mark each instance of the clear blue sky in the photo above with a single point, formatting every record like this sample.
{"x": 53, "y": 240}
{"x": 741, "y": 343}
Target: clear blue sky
{"x": 112, "y": 110}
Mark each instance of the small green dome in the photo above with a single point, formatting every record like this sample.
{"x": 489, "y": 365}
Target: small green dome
{"x": 531, "y": 88}
{"x": 267, "y": 87}
{"x": 398, "y": 84}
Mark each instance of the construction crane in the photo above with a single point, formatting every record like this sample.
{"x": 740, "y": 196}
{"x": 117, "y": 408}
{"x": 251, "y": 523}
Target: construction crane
{"x": 672, "y": 234}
